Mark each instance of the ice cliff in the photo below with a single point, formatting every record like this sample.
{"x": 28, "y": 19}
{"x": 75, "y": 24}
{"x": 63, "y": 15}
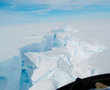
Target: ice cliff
{"x": 59, "y": 58}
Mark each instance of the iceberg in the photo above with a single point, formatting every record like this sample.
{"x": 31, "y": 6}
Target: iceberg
{"x": 58, "y": 60}
{"x": 62, "y": 58}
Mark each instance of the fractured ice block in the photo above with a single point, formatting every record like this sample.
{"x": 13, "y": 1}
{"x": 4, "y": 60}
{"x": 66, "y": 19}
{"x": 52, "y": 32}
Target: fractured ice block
{"x": 61, "y": 57}
{"x": 49, "y": 67}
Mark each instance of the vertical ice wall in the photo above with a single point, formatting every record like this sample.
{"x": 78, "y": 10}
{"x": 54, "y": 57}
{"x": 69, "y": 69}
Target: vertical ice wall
{"x": 28, "y": 66}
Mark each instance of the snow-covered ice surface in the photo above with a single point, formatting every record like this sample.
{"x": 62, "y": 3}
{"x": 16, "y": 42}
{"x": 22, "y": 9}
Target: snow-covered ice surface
{"x": 57, "y": 59}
